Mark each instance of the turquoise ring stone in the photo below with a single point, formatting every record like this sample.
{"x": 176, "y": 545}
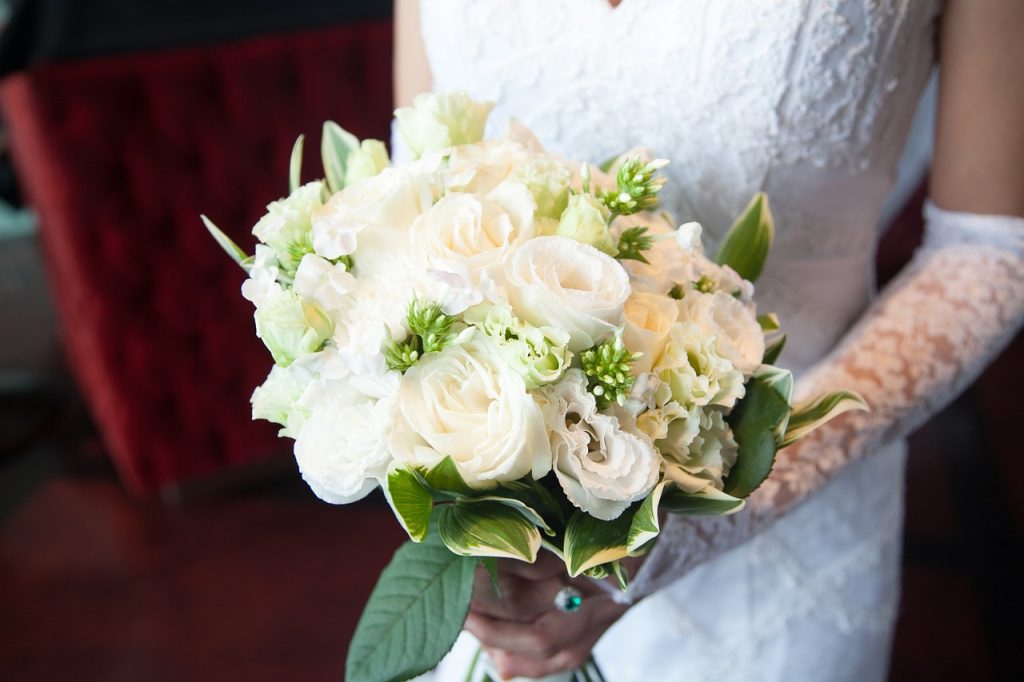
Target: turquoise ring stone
{"x": 568, "y": 600}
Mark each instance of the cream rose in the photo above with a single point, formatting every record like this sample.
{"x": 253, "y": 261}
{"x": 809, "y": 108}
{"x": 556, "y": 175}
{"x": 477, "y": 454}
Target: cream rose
{"x": 700, "y": 450}
{"x": 738, "y": 336}
{"x": 559, "y": 282}
{"x": 601, "y": 467}
{"x": 649, "y": 317}
{"x": 466, "y": 403}
{"x": 694, "y": 370}
{"x": 479, "y": 168}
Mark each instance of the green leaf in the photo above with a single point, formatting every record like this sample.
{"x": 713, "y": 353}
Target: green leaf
{"x": 811, "y": 415}
{"x": 754, "y": 421}
{"x": 295, "y": 166}
{"x": 591, "y": 542}
{"x": 773, "y": 350}
{"x": 230, "y": 247}
{"x": 410, "y": 501}
{"x": 490, "y": 563}
{"x": 414, "y": 614}
{"x": 533, "y": 493}
{"x": 709, "y": 502}
{"x": 487, "y": 528}
{"x": 618, "y": 570}
{"x": 444, "y": 477}
{"x": 746, "y": 245}
{"x": 336, "y": 144}
{"x": 769, "y": 322}
{"x": 645, "y": 526}
{"x": 528, "y": 512}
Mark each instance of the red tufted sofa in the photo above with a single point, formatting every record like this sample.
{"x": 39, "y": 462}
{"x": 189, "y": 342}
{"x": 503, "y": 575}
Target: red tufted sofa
{"x": 120, "y": 155}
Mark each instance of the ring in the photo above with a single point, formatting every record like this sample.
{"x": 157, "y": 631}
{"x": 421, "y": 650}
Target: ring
{"x": 568, "y": 599}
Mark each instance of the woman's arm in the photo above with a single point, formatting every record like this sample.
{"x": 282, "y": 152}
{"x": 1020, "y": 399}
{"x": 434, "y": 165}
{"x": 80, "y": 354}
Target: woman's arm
{"x": 411, "y": 69}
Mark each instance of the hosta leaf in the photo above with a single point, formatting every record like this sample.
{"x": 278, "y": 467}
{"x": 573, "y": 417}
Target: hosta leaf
{"x": 295, "y": 165}
{"x": 336, "y": 144}
{"x": 225, "y": 242}
{"x": 754, "y": 421}
{"x": 619, "y": 571}
{"x": 444, "y": 477}
{"x": 746, "y": 245}
{"x": 414, "y": 614}
{"x": 487, "y": 528}
{"x": 528, "y": 512}
{"x": 773, "y": 350}
{"x": 591, "y": 542}
{"x": 811, "y": 415}
{"x": 645, "y": 526}
{"x": 410, "y": 501}
{"x": 708, "y": 502}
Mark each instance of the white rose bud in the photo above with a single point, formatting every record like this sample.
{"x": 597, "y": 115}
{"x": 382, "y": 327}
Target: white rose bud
{"x": 436, "y": 121}
{"x": 585, "y": 219}
{"x": 559, "y": 282}
{"x": 466, "y": 403}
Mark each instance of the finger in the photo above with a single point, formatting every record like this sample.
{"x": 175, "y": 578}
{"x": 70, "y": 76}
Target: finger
{"x": 521, "y": 638}
{"x": 511, "y": 664}
{"x": 546, "y": 566}
{"x": 520, "y": 601}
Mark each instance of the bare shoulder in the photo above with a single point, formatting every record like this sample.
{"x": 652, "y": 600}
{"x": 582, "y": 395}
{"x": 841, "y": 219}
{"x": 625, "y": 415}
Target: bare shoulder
{"x": 411, "y": 68}
{"x": 979, "y": 146}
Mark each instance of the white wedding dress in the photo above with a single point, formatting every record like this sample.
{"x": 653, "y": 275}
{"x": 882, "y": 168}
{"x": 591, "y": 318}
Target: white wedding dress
{"x": 810, "y": 101}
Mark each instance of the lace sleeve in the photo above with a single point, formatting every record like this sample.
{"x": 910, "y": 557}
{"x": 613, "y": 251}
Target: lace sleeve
{"x": 951, "y": 310}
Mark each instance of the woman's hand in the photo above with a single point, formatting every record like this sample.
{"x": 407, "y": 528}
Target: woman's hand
{"x": 522, "y": 631}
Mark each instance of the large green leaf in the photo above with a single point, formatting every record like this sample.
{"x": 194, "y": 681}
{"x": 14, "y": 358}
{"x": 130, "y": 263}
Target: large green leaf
{"x": 487, "y": 528}
{"x": 754, "y": 421}
{"x": 410, "y": 501}
{"x": 414, "y": 614}
{"x": 645, "y": 526}
{"x": 746, "y": 245}
{"x": 811, "y": 415}
{"x": 444, "y": 477}
{"x": 591, "y": 542}
{"x": 295, "y": 165}
{"x": 528, "y": 512}
{"x": 336, "y": 144}
{"x": 225, "y": 242}
{"x": 705, "y": 503}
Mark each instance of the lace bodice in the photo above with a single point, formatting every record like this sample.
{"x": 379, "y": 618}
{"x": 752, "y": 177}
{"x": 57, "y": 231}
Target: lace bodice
{"x": 810, "y": 101}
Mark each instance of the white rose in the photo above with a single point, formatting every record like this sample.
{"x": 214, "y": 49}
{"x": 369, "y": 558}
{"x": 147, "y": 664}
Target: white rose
{"x": 393, "y": 198}
{"x": 342, "y": 450}
{"x": 466, "y": 403}
{"x": 695, "y": 372}
{"x": 559, "y": 282}
{"x": 286, "y": 226}
{"x": 548, "y": 180}
{"x": 290, "y": 326}
{"x": 325, "y": 283}
{"x": 700, "y": 450}
{"x": 601, "y": 467}
{"x": 649, "y": 317}
{"x": 738, "y": 336}
{"x": 470, "y": 234}
{"x": 435, "y": 121}
{"x": 479, "y": 168}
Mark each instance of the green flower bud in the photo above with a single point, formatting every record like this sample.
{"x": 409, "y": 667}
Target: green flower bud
{"x": 291, "y": 327}
{"x": 586, "y": 220}
{"x": 368, "y": 159}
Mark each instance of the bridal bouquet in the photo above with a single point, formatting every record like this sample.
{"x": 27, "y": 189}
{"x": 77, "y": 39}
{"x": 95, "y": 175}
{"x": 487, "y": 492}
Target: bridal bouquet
{"x": 518, "y": 350}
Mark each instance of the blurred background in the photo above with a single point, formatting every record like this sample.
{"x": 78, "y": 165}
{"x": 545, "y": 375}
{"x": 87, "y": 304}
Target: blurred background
{"x": 148, "y": 529}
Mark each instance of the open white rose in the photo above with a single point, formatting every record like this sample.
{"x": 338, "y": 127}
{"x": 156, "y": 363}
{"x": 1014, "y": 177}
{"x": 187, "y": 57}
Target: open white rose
{"x": 601, "y": 467}
{"x": 342, "y": 449}
{"x": 479, "y": 168}
{"x": 560, "y": 282}
{"x": 439, "y": 120}
{"x": 393, "y": 198}
{"x": 738, "y": 336}
{"x": 466, "y": 403}
{"x": 649, "y": 317}
{"x": 694, "y": 370}
{"x": 472, "y": 234}
{"x": 700, "y": 450}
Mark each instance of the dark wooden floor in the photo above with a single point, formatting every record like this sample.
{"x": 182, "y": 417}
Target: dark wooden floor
{"x": 267, "y": 584}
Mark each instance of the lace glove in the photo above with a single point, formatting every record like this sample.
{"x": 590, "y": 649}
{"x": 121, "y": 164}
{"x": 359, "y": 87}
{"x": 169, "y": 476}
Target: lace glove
{"x": 951, "y": 310}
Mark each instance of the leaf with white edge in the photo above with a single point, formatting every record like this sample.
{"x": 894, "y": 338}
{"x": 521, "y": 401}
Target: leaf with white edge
{"x": 746, "y": 245}
{"x": 596, "y": 572}
{"x": 295, "y": 165}
{"x": 225, "y": 242}
{"x": 487, "y": 528}
{"x": 528, "y": 512}
{"x": 810, "y": 415}
{"x": 773, "y": 350}
{"x": 414, "y": 614}
{"x": 645, "y": 525}
{"x": 619, "y": 571}
{"x": 444, "y": 477}
{"x": 336, "y": 144}
{"x": 533, "y": 493}
{"x": 490, "y": 564}
{"x": 754, "y": 421}
{"x": 591, "y": 542}
{"x": 410, "y": 501}
{"x": 769, "y": 322}
{"x": 708, "y": 502}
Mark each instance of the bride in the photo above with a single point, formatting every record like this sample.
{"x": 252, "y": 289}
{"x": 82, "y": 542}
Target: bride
{"x": 809, "y": 101}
